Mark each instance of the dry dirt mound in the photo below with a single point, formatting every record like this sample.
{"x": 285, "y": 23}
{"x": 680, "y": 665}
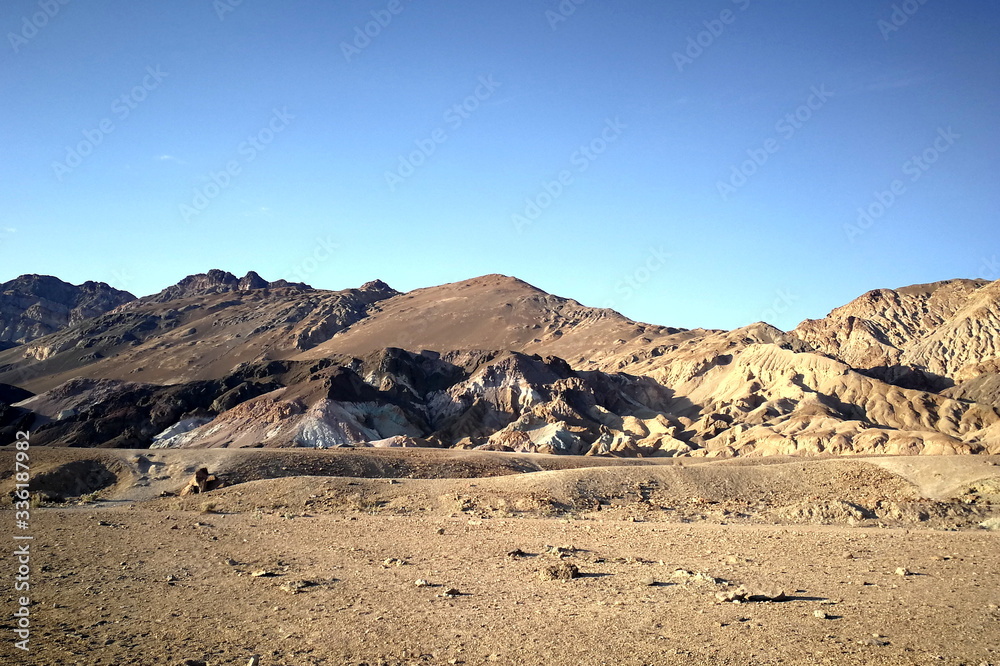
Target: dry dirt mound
{"x": 944, "y": 477}
{"x": 958, "y": 492}
{"x": 829, "y": 492}
{"x": 136, "y": 475}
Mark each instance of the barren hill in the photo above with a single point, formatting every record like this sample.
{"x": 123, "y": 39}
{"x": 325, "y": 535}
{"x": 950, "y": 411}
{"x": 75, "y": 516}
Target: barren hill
{"x": 494, "y": 312}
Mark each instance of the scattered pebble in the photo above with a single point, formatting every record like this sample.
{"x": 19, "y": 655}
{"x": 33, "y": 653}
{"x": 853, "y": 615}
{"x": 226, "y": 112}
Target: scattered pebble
{"x": 296, "y": 586}
{"x": 698, "y": 576}
{"x": 420, "y": 582}
{"x": 735, "y": 594}
{"x": 877, "y": 642}
{"x": 561, "y": 551}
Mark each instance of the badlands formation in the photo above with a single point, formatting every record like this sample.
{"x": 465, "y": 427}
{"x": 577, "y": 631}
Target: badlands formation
{"x": 494, "y": 363}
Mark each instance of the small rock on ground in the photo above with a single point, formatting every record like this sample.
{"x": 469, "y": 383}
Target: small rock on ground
{"x": 561, "y": 571}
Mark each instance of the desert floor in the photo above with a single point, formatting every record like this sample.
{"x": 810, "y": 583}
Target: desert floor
{"x": 882, "y": 560}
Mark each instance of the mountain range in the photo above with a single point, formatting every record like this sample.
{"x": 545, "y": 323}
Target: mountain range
{"x": 491, "y": 363}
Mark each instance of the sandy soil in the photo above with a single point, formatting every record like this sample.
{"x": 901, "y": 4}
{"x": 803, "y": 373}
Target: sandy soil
{"x": 135, "y": 579}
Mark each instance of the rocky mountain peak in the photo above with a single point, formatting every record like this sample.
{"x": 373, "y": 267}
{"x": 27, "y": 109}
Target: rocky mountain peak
{"x": 252, "y": 281}
{"x": 217, "y": 281}
{"x": 875, "y": 329}
{"x": 494, "y": 280}
{"x": 378, "y": 286}
{"x": 212, "y": 278}
{"x": 35, "y": 305}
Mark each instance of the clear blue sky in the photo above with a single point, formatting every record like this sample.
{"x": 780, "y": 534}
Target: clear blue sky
{"x": 329, "y": 123}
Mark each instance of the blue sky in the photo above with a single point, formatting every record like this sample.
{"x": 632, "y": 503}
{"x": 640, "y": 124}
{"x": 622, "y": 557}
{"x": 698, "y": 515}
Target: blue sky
{"x": 690, "y": 163}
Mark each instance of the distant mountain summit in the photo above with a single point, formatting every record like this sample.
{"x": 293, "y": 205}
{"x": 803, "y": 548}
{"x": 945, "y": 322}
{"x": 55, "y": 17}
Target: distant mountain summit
{"x": 218, "y": 281}
{"x": 35, "y": 305}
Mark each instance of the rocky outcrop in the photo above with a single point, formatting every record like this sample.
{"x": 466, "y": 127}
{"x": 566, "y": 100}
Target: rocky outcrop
{"x": 969, "y": 338}
{"x": 32, "y": 306}
{"x": 252, "y": 281}
{"x": 901, "y": 335}
{"x": 771, "y": 401}
{"x": 202, "y": 482}
{"x": 116, "y": 414}
{"x": 509, "y": 402}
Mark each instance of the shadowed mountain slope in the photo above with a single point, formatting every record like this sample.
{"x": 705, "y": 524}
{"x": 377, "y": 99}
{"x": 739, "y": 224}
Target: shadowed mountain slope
{"x": 32, "y": 306}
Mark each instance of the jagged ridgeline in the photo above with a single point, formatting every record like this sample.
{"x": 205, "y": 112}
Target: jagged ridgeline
{"x": 491, "y": 363}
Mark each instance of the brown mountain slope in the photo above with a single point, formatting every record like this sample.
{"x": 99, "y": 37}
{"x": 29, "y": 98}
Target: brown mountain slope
{"x": 495, "y": 312}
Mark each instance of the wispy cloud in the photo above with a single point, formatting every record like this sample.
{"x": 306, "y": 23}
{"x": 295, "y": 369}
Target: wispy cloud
{"x": 169, "y": 158}
{"x": 895, "y": 82}
{"x": 501, "y": 101}
{"x": 260, "y": 211}
{"x": 866, "y": 80}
